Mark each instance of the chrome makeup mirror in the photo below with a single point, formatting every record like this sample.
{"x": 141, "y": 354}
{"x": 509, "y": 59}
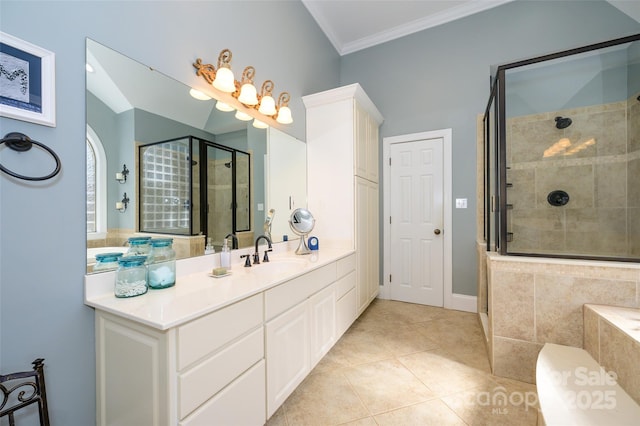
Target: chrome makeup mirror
{"x": 302, "y": 223}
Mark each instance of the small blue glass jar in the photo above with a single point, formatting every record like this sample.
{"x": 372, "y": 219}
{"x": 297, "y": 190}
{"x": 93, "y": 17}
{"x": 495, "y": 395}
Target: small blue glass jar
{"x": 106, "y": 262}
{"x": 131, "y": 276}
{"x": 161, "y": 264}
{"x": 138, "y": 246}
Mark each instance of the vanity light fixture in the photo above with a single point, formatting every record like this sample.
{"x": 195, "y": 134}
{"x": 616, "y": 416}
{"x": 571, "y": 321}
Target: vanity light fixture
{"x": 196, "y": 94}
{"x": 243, "y": 93}
{"x": 284, "y": 113}
{"x": 122, "y": 176}
{"x": 221, "y": 106}
{"x": 243, "y": 116}
{"x": 259, "y": 124}
{"x": 121, "y": 206}
{"x": 267, "y": 103}
{"x": 248, "y": 93}
{"x": 224, "y": 80}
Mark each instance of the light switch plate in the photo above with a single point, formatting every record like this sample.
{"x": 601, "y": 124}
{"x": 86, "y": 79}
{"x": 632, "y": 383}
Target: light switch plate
{"x": 260, "y": 207}
{"x": 461, "y": 203}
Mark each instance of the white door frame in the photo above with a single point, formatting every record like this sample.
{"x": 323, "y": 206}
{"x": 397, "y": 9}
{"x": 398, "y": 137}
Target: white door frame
{"x": 446, "y": 135}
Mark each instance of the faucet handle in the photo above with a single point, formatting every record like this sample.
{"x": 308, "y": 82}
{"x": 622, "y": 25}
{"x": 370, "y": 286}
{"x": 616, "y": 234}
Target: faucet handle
{"x": 256, "y": 258}
{"x": 247, "y": 262}
{"x": 266, "y": 255}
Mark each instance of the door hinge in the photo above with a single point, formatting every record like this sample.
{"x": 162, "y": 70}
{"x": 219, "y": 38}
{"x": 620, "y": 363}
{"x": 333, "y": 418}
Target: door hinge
{"x": 389, "y": 220}
{"x": 389, "y": 160}
{"x": 389, "y": 277}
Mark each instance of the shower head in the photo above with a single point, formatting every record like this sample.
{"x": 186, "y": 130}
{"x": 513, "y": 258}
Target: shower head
{"x": 563, "y": 122}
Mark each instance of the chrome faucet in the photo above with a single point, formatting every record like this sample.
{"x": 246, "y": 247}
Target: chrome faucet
{"x": 256, "y": 255}
{"x": 234, "y": 241}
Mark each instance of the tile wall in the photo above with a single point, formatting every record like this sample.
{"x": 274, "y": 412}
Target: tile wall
{"x": 596, "y": 160}
{"x": 612, "y": 338}
{"x": 533, "y": 301}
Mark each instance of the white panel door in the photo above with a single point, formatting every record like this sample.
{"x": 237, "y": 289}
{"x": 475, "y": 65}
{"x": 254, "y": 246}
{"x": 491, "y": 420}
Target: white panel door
{"x": 416, "y": 198}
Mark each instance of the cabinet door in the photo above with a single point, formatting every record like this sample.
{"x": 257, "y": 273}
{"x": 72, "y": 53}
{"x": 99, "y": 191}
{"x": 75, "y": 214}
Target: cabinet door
{"x": 372, "y": 149}
{"x": 322, "y": 307}
{"x": 367, "y": 242}
{"x": 373, "y": 250}
{"x": 361, "y": 134}
{"x": 287, "y": 353}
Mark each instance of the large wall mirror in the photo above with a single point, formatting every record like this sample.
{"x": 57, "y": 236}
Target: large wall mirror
{"x": 187, "y": 169}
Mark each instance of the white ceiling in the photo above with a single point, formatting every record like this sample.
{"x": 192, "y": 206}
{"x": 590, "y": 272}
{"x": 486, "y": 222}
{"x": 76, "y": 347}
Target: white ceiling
{"x": 353, "y": 25}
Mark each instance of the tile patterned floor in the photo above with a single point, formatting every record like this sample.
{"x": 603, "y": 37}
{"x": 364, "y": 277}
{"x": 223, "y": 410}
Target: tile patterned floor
{"x": 406, "y": 364}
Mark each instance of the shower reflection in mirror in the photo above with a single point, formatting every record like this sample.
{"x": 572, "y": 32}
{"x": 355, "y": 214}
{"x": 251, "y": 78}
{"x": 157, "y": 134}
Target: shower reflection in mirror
{"x": 191, "y": 186}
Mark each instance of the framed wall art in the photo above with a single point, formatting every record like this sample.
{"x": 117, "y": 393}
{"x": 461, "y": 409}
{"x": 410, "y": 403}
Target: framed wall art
{"x": 27, "y": 81}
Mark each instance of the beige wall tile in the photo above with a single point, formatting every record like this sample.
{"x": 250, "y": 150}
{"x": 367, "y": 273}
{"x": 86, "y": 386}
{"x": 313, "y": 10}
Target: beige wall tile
{"x": 633, "y": 170}
{"x": 529, "y": 139}
{"x": 576, "y": 180}
{"x": 591, "y": 333}
{"x": 513, "y": 305}
{"x": 633, "y": 237}
{"x": 601, "y": 231}
{"x": 633, "y": 124}
{"x": 515, "y": 359}
{"x": 559, "y": 302}
{"x": 620, "y": 353}
{"x": 611, "y": 185}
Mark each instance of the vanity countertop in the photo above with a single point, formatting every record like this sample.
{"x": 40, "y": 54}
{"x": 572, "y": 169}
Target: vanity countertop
{"x": 197, "y": 293}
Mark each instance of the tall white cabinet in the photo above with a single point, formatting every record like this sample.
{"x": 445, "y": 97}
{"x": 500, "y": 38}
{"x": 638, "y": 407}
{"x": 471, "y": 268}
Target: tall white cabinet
{"x": 342, "y": 173}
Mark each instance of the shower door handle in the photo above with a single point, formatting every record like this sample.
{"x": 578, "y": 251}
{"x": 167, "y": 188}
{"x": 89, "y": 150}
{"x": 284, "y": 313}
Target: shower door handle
{"x": 436, "y": 231}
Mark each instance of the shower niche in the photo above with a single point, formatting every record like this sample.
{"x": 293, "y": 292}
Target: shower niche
{"x": 562, "y": 154}
{"x": 191, "y": 186}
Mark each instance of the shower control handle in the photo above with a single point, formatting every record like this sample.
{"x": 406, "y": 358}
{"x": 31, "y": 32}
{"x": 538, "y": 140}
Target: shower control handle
{"x": 436, "y": 231}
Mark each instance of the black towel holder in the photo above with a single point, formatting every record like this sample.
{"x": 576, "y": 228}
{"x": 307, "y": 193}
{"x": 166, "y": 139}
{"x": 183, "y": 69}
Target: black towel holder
{"x": 22, "y": 143}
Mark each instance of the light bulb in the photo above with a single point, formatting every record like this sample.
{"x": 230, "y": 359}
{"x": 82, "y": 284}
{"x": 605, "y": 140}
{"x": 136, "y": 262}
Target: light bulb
{"x": 284, "y": 115}
{"x": 221, "y": 106}
{"x": 259, "y": 124}
{"x": 248, "y": 94}
{"x": 267, "y": 105}
{"x": 196, "y": 94}
{"x": 224, "y": 80}
{"x": 243, "y": 116}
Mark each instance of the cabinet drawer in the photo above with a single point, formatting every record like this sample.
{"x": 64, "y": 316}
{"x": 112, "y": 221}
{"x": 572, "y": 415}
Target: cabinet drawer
{"x": 241, "y": 403}
{"x": 346, "y": 265}
{"x": 284, "y": 296}
{"x": 206, "y": 379}
{"x": 207, "y": 334}
{"x": 346, "y": 283}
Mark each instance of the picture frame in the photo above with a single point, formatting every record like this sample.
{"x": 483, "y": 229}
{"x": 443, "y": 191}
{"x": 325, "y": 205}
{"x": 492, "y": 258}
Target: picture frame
{"x": 27, "y": 81}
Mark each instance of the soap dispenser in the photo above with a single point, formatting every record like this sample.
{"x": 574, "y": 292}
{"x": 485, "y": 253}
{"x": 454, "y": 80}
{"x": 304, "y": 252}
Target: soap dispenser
{"x": 225, "y": 255}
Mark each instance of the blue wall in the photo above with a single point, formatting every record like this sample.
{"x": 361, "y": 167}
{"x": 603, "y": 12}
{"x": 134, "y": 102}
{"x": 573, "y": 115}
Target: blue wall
{"x": 42, "y": 233}
{"x": 439, "y": 78}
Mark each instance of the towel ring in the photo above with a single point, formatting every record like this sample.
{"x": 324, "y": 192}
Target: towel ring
{"x": 22, "y": 143}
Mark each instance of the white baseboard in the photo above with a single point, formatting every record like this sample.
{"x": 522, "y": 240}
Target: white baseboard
{"x": 459, "y": 302}
{"x": 462, "y": 302}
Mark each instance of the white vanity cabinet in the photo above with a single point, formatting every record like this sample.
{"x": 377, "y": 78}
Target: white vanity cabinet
{"x": 342, "y": 176}
{"x": 172, "y": 358}
{"x": 210, "y": 370}
{"x": 300, "y": 329}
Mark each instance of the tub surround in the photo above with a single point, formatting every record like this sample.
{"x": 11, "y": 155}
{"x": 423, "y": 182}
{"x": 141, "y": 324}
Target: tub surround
{"x": 612, "y": 338}
{"x": 533, "y": 301}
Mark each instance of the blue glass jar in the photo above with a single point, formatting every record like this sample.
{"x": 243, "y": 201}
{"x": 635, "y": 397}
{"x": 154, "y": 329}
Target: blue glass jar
{"x": 138, "y": 246}
{"x": 131, "y": 276}
{"x": 106, "y": 262}
{"x": 162, "y": 263}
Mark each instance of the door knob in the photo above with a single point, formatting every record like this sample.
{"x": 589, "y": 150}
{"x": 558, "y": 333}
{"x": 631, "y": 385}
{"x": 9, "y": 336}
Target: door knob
{"x": 436, "y": 231}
